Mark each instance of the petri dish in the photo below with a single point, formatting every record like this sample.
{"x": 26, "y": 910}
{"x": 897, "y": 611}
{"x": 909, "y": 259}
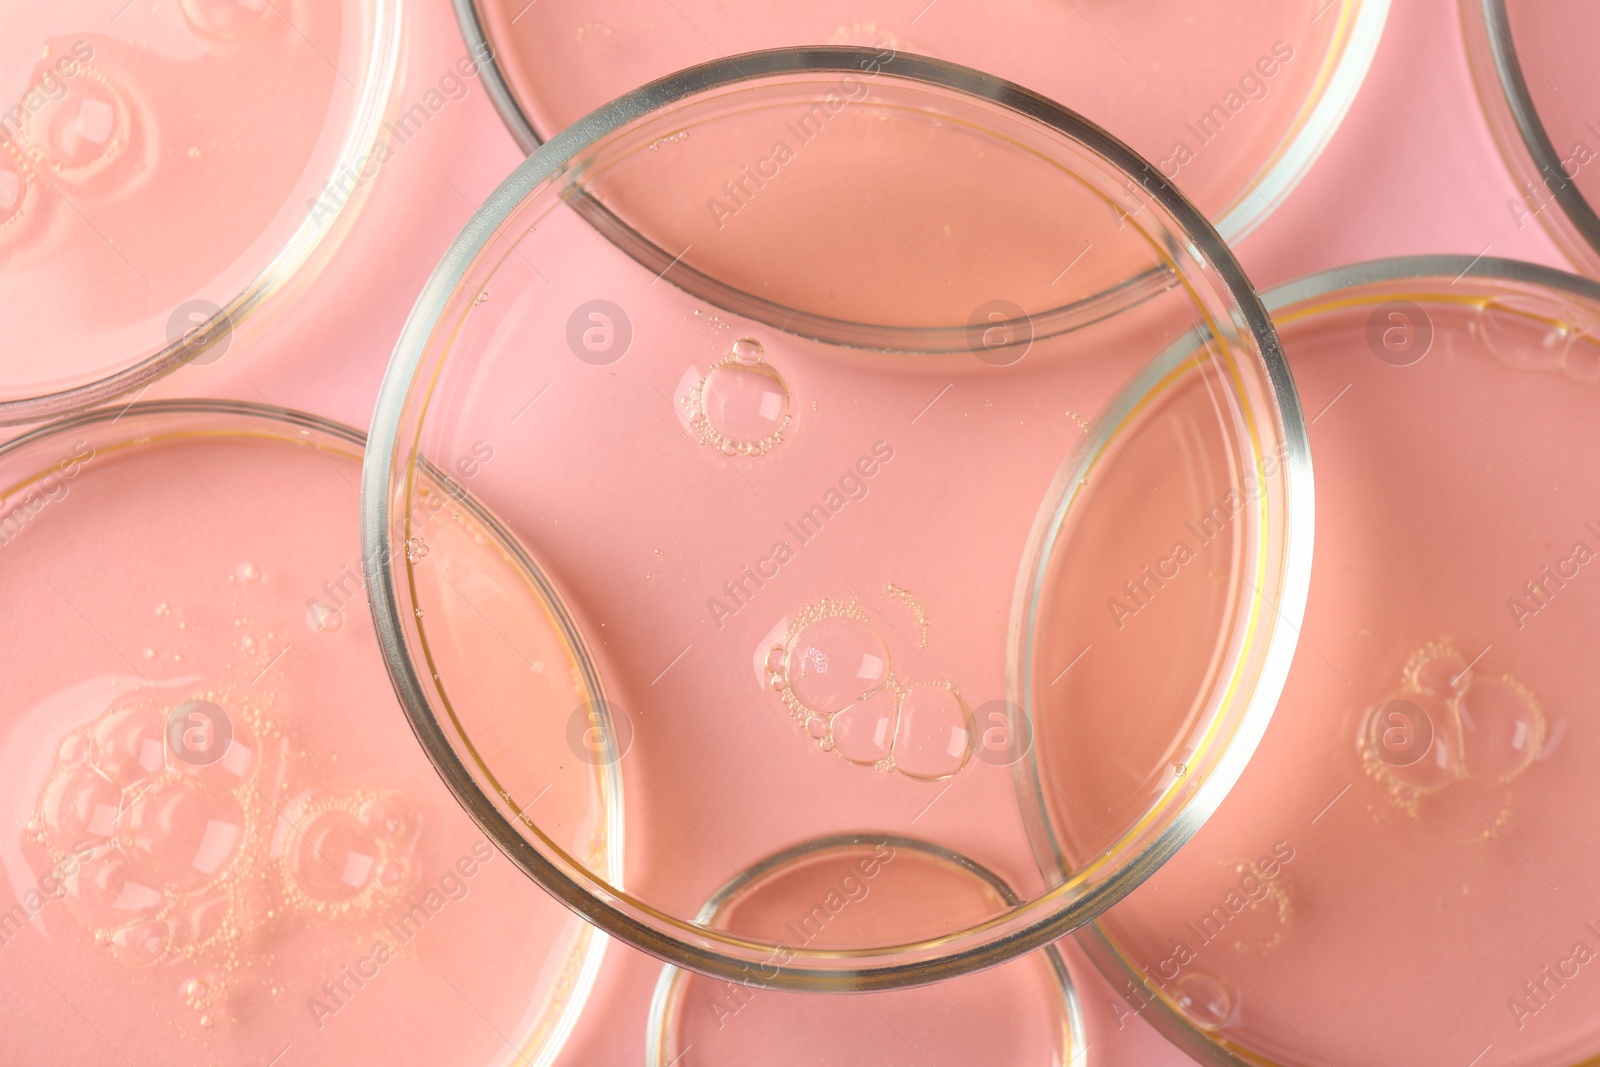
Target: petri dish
{"x": 1234, "y": 105}
{"x": 1402, "y": 873}
{"x": 802, "y": 499}
{"x": 218, "y": 841}
{"x": 165, "y": 170}
{"x": 1536, "y": 88}
{"x": 1022, "y": 1013}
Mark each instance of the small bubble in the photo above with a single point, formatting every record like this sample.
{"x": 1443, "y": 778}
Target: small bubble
{"x": 75, "y": 750}
{"x": 248, "y": 572}
{"x": 416, "y": 549}
{"x": 481, "y": 299}
{"x": 748, "y": 350}
{"x": 81, "y": 126}
{"x": 1203, "y": 999}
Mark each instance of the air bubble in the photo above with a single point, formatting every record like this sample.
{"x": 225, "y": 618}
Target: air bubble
{"x": 1203, "y": 999}
{"x": 141, "y": 943}
{"x": 81, "y": 805}
{"x": 1502, "y": 729}
{"x": 1395, "y": 727}
{"x": 223, "y": 18}
{"x": 834, "y": 661}
{"x": 745, "y": 408}
{"x": 1437, "y": 668}
{"x": 110, "y": 891}
{"x": 186, "y": 833}
{"x": 864, "y": 731}
{"x": 248, "y": 572}
{"x": 132, "y": 743}
{"x": 335, "y": 858}
{"x": 934, "y": 738}
{"x": 80, "y": 127}
{"x": 741, "y": 406}
{"x": 74, "y": 750}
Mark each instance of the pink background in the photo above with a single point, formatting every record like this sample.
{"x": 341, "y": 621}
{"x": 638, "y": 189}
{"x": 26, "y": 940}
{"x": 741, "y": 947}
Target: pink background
{"x": 1413, "y": 170}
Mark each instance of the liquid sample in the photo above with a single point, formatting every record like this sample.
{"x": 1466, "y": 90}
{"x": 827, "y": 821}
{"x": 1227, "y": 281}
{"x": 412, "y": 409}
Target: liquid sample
{"x": 843, "y": 894}
{"x": 1187, "y": 88}
{"x": 229, "y": 843}
{"x": 155, "y": 161}
{"x": 1418, "y": 798}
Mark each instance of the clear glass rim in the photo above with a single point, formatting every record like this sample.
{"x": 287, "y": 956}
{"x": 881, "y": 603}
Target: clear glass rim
{"x": 1026, "y": 927}
{"x": 1344, "y": 68}
{"x": 668, "y": 982}
{"x": 1523, "y": 139}
{"x": 378, "y": 82}
{"x": 1096, "y": 943}
{"x": 591, "y": 946}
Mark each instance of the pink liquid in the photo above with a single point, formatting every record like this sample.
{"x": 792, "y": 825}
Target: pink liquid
{"x": 309, "y": 885}
{"x": 154, "y": 161}
{"x": 792, "y": 564}
{"x": 868, "y": 893}
{"x": 1151, "y": 73}
{"x": 1353, "y": 900}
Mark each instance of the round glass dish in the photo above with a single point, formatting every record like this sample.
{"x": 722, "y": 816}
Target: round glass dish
{"x": 1233, "y": 103}
{"x": 1411, "y": 845}
{"x": 1023, "y": 1014}
{"x": 218, "y": 842}
{"x": 1537, "y": 82}
{"x": 165, "y": 170}
{"x": 823, "y": 556}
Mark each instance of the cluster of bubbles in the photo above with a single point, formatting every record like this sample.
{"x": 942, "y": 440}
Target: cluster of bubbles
{"x": 740, "y": 406}
{"x": 833, "y": 671}
{"x": 1450, "y": 723}
{"x": 173, "y": 812}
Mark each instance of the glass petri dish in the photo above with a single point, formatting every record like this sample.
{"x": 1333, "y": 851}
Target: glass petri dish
{"x": 218, "y": 842}
{"x": 1233, "y": 105}
{"x": 830, "y": 891}
{"x": 795, "y": 539}
{"x": 1537, "y": 87}
{"x": 167, "y": 169}
{"x": 1410, "y": 846}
